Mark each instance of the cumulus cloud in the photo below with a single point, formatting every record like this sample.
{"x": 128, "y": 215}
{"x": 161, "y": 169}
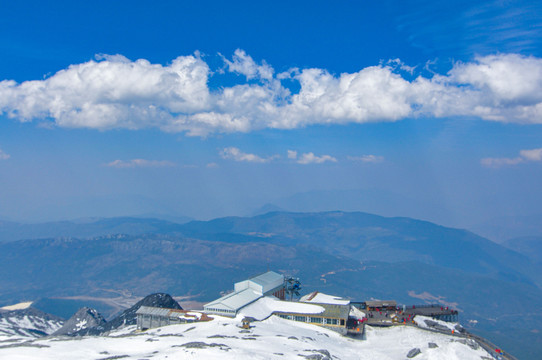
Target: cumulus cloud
{"x": 112, "y": 93}
{"x": 139, "y": 163}
{"x": 115, "y": 92}
{"x": 310, "y": 158}
{"x": 233, "y": 153}
{"x": 3, "y": 155}
{"x": 524, "y": 156}
{"x": 367, "y": 158}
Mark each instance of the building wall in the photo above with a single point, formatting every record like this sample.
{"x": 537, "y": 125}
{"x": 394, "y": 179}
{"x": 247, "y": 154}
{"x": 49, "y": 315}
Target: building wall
{"x": 145, "y": 322}
{"x": 218, "y": 311}
{"x": 278, "y": 292}
{"x": 335, "y": 324}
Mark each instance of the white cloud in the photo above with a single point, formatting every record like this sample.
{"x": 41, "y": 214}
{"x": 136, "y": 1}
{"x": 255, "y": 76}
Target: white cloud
{"x": 3, "y": 155}
{"x": 114, "y": 92}
{"x": 245, "y": 65}
{"x": 310, "y": 158}
{"x": 135, "y": 163}
{"x": 367, "y": 158}
{"x": 292, "y": 154}
{"x": 533, "y": 155}
{"x": 498, "y": 162}
{"x": 233, "y": 153}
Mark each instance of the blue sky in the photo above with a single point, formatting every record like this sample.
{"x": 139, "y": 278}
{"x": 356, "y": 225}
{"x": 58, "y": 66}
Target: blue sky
{"x": 208, "y": 109}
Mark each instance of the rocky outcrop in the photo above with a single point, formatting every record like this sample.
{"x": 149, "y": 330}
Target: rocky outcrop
{"x": 435, "y": 325}
{"x": 129, "y": 317}
{"x": 84, "y": 318}
{"x": 28, "y": 322}
{"x": 414, "y": 352}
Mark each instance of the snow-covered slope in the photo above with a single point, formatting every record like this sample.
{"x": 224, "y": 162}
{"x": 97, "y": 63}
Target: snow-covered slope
{"x": 274, "y": 338}
{"x": 27, "y": 323}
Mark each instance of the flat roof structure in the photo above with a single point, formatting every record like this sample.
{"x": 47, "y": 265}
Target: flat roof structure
{"x": 246, "y": 292}
{"x": 234, "y": 301}
{"x": 381, "y": 303}
{"x": 151, "y": 317}
{"x": 263, "y": 283}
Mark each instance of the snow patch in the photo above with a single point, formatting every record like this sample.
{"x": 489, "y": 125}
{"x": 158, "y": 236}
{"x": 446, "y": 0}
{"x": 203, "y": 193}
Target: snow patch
{"x": 265, "y": 306}
{"x": 19, "y": 306}
{"x": 322, "y": 298}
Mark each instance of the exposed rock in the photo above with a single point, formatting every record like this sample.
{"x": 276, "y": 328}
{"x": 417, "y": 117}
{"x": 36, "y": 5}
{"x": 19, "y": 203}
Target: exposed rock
{"x": 459, "y": 328}
{"x": 83, "y": 319}
{"x": 320, "y": 355}
{"x": 432, "y": 345}
{"x": 128, "y": 316}
{"x": 29, "y": 322}
{"x": 202, "y": 345}
{"x": 473, "y": 344}
{"x": 222, "y": 337}
{"x": 414, "y": 352}
{"x": 115, "y": 357}
{"x": 435, "y": 325}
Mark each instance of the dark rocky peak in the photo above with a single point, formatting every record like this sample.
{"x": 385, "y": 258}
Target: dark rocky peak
{"x": 129, "y": 317}
{"x": 84, "y": 318}
{"x": 160, "y": 300}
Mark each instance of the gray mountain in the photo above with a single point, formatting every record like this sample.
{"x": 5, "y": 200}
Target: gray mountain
{"x": 28, "y": 323}
{"x": 86, "y": 228}
{"x": 530, "y": 246}
{"x": 371, "y": 237}
{"x": 83, "y": 319}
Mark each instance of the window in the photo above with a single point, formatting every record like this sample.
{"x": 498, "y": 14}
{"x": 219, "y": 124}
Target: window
{"x": 316, "y": 320}
{"x": 300, "y": 318}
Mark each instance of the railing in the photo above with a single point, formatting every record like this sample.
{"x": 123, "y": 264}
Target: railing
{"x": 484, "y": 343}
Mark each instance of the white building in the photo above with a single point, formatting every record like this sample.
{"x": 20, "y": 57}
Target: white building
{"x": 246, "y": 292}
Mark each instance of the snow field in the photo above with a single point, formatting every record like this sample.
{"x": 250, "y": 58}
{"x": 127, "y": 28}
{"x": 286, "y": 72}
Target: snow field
{"x": 222, "y": 338}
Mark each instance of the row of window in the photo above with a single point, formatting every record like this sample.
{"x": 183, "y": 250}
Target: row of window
{"x": 221, "y": 310}
{"x": 312, "y": 319}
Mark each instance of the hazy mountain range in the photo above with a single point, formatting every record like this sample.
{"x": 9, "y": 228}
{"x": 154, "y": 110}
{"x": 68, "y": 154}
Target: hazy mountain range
{"x": 357, "y": 255}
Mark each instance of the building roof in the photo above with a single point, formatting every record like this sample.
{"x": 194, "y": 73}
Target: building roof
{"x": 156, "y": 311}
{"x": 269, "y": 278}
{"x": 380, "y": 303}
{"x": 321, "y": 298}
{"x": 264, "y": 282}
{"x": 177, "y": 313}
{"x": 267, "y": 305}
{"x": 235, "y": 300}
{"x": 336, "y": 311}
